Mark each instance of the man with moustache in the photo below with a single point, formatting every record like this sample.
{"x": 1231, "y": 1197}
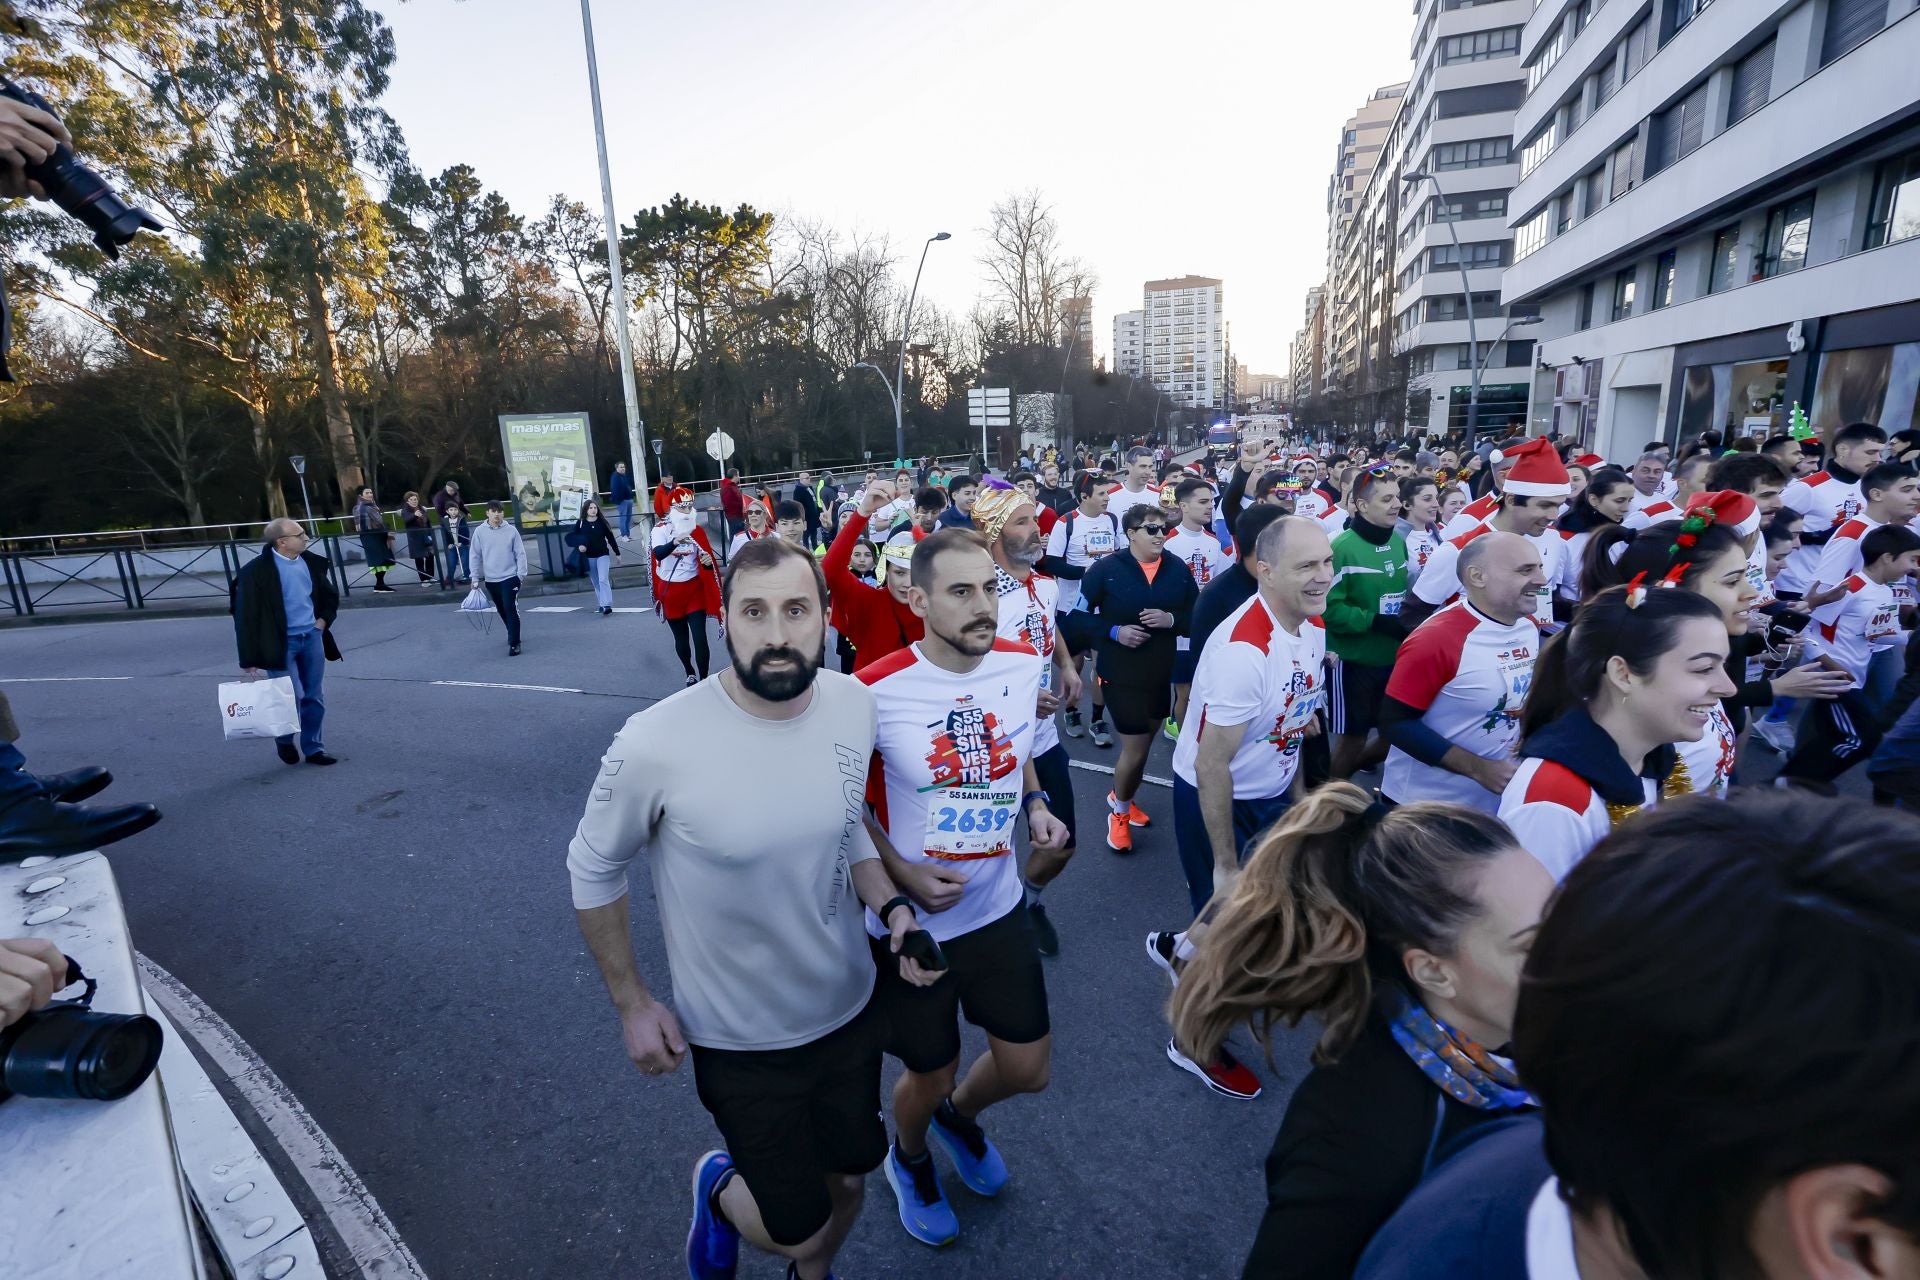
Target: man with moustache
{"x": 772, "y": 972}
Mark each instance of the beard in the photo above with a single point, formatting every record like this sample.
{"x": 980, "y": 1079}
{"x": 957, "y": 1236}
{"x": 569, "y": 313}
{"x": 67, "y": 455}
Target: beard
{"x": 1027, "y": 553}
{"x": 781, "y": 685}
{"x": 682, "y": 522}
{"x": 975, "y": 640}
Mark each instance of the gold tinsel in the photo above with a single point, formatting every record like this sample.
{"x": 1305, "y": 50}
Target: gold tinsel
{"x": 1679, "y": 783}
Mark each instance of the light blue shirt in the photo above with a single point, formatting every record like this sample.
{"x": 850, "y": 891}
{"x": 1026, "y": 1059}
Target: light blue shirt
{"x": 296, "y": 592}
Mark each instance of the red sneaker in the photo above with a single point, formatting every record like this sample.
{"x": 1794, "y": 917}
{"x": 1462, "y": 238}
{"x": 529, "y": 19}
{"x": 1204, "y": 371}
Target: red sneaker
{"x": 1225, "y": 1075}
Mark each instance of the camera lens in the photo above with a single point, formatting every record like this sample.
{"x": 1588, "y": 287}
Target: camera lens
{"x": 68, "y": 1052}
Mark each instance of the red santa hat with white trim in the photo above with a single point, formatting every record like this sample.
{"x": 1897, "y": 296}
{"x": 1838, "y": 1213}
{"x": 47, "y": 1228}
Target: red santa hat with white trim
{"x": 1731, "y": 508}
{"x": 1537, "y": 471}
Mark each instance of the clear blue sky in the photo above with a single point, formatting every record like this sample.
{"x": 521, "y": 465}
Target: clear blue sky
{"x": 1182, "y": 137}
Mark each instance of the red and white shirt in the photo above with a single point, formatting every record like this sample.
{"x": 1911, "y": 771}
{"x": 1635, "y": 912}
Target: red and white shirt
{"x": 1421, "y": 544}
{"x": 1080, "y": 540}
{"x": 1840, "y": 559}
{"x": 1121, "y": 499}
{"x": 1475, "y": 513}
{"x": 1557, "y": 816}
{"x": 1825, "y": 501}
{"x": 1027, "y": 616}
{"x": 1709, "y": 759}
{"x": 946, "y": 778}
{"x": 1468, "y": 675}
{"x": 1204, "y": 557}
{"x": 1253, "y": 672}
{"x": 1864, "y": 620}
{"x": 1642, "y": 501}
{"x": 1660, "y": 511}
{"x": 1440, "y": 581}
{"x": 1311, "y": 503}
{"x": 1334, "y": 521}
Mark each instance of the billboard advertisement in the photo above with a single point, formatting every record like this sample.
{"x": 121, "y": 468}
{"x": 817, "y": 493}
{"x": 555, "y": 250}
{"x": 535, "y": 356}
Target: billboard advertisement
{"x": 550, "y": 469}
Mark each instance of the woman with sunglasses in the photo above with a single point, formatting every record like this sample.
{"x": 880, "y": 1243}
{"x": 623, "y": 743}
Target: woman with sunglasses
{"x": 1133, "y": 605}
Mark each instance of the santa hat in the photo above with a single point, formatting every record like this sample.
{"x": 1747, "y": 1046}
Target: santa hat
{"x": 1590, "y": 461}
{"x": 1537, "y": 471}
{"x": 1729, "y": 507}
{"x": 1299, "y": 458}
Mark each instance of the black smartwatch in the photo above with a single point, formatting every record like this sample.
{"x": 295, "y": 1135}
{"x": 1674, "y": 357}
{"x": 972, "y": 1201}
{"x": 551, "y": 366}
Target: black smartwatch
{"x": 886, "y": 909}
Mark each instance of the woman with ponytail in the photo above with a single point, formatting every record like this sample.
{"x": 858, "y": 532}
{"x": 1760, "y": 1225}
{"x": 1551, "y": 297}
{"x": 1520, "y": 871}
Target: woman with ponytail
{"x": 1403, "y": 932}
{"x": 1601, "y": 505}
{"x": 1640, "y": 668}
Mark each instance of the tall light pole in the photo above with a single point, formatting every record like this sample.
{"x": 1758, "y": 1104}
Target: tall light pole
{"x": 1473, "y": 343}
{"x": 892, "y": 395}
{"x": 635, "y": 428}
{"x": 900, "y": 373}
{"x": 299, "y": 462}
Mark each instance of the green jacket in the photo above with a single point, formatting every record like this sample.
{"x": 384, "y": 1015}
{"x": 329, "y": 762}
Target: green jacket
{"x": 1365, "y": 574}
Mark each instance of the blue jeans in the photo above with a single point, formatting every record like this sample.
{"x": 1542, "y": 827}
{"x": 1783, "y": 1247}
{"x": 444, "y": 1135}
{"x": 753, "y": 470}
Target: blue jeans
{"x": 600, "y": 569}
{"x": 16, "y": 784}
{"x": 307, "y": 664}
{"x": 626, "y": 518}
{"x": 1250, "y": 818}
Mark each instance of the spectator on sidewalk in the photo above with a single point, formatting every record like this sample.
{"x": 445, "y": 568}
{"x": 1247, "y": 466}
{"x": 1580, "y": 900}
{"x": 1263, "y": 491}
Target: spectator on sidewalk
{"x": 597, "y": 545}
{"x": 661, "y": 494}
{"x": 500, "y": 562}
{"x": 449, "y": 496}
{"x": 620, "y": 494}
{"x": 419, "y": 526}
{"x": 375, "y": 540}
{"x": 283, "y": 612}
{"x": 455, "y": 535}
{"x": 733, "y": 507}
{"x": 809, "y": 500}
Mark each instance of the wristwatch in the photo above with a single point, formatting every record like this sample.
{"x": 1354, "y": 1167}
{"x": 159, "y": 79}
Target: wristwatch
{"x": 886, "y": 908}
{"x": 1026, "y": 801}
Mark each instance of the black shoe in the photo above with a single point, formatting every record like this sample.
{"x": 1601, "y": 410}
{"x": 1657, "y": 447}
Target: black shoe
{"x": 72, "y": 788}
{"x": 1045, "y": 939}
{"x": 321, "y": 757}
{"x": 383, "y": 587}
{"x": 513, "y": 651}
{"x": 43, "y": 826}
{"x": 692, "y": 680}
{"x": 288, "y": 752}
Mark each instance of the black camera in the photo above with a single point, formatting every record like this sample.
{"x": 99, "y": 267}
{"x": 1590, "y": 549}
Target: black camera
{"x": 83, "y": 193}
{"x": 66, "y": 1050}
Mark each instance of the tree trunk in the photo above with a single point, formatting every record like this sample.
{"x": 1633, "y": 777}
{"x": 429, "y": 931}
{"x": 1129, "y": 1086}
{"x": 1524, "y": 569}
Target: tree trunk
{"x": 333, "y": 396}
{"x": 189, "y": 491}
{"x": 263, "y": 451}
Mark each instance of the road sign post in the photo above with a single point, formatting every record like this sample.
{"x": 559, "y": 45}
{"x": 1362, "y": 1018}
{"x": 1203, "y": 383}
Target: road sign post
{"x": 989, "y": 407}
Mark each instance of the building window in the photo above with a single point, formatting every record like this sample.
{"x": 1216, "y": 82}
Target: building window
{"x": 1788, "y": 226}
{"x": 1895, "y": 211}
{"x": 1663, "y": 274}
{"x": 1681, "y": 12}
{"x": 1584, "y": 318}
{"x": 1850, "y": 24}
{"x": 1637, "y": 50}
{"x": 1677, "y": 132}
{"x": 1752, "y": 82}
{"x": 1539, "y": 149}
{"x": 1530, "y": 235}
{"x": 1726, "y": 256}
{"x": 1493, "y": 254}
{"x": 1623, "y": 169}
{"x": 1622, "y": 295}
{"x": 1476, "y": 154}
{"x": 1596, "y": 184}
{"x": 1562, "y": 36}
{"x": 1564, "y": 212}
{"x": 1480, "y": 46}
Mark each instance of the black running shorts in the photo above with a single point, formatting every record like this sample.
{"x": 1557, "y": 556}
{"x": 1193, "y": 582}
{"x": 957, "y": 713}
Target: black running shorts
{"x": 1353, "y": 703}
{"x": 790, "y": 1117}
{"x": 1137, "y": 708}
{"x": 993, "y": 976}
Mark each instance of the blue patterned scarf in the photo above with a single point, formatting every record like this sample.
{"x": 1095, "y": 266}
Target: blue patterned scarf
{"x": 1464, "y": 1070}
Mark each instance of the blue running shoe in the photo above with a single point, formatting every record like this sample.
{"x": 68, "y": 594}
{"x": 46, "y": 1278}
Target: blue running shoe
{"x": 975, "y": 1159}
{"x": 713, "y": 1246}
{"x": 924, "y": 1210}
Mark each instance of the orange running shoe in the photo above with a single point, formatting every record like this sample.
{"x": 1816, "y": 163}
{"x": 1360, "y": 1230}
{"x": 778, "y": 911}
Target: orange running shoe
{"x": 1136, "y": 816}
{"x": 1119, "y": 835}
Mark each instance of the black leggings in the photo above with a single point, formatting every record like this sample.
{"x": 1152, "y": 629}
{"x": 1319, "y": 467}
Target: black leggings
{"x": 690, "y": 641}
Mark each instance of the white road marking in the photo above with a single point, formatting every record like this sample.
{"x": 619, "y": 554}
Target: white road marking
{"x": 58, "y": 679}
{"x": 485, "y": 684}
{"x": 1090, "y": 767}
{"x": 623, "y": 609}
{"x": 556, "y": 608}
{"x": 351, "y": 1209}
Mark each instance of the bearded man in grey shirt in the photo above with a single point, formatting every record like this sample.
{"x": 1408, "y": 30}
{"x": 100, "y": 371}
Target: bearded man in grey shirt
{"x": 760, "y": 899}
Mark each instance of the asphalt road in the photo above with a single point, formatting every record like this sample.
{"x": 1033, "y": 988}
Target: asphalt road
{"x": 394, "y": 936}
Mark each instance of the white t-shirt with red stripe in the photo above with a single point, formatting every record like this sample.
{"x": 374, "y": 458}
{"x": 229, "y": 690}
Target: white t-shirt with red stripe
{"x": 1557, "y": 816}
{"x": 1421, "y": 544}
{"x": 946, "y": 779}
{"x": 1440, "y": 581}
{"x": 1311, "y": 503}
{"x": 1864, "y": 620}
{"x": 1203, "y": 555}
{"x": 1709, "y": 759}
{"x": 1028, "y": 616}
{"x": 1120, "y": 500}
{"x": 1825, "y": 501}
{"x": 1840, "y": 559}
{"x": 1468, "y": 675}
{"x": 1253, "y": 672}
{"x": 1657, "y": 512}
{"x": 1477, "y": 512}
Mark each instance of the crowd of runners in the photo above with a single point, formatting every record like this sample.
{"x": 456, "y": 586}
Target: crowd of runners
{"x": 1591, "y": 1003}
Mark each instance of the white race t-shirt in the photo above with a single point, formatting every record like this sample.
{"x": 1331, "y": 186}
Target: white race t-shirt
{"x": 1440, "y": 581}
{"x": 947, "y": 777}
{"x": 1468, "y": 675}
{"x": 1254, "y": 673}
{"x": 1080, "y": 540}
{"x": 1840, "y": 559}
{"x": 1421, "y": 544}
{"x": 1120, "y": 500}
{"x": 1204, "y": 557}
{"x": 1027, "y": 616}
{"x": 1824, "y": 501}
{"x": 1865, "y": 619}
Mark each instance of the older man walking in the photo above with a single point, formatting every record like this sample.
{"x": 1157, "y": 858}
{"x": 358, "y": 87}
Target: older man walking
{"x": 283, "y": 607}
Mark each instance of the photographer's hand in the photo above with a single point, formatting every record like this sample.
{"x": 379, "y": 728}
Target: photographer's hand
{"x": 28, "y": 135}
{"x": 31, "y": 970}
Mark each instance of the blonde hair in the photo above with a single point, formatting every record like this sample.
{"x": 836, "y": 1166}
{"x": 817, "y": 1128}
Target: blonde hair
{"x": 1330, "y": 899}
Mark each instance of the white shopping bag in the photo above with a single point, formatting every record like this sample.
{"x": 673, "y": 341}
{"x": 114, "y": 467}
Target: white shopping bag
{"x": 259, "y": 708}
{"x": 476, "y": 602}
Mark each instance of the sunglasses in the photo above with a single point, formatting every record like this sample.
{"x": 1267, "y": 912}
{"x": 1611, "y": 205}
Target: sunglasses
{"x": 1154, "y": 530}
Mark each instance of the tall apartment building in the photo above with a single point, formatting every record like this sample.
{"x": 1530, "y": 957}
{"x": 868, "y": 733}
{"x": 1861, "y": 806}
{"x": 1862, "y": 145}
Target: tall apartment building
{"x": 1456, "y": 125}
{"x": 1354, "y": 160}
{"x": 1076, "y": 330}
{"x": 1184, "y": 340}
{"x": 1129, "y": 343}
{"x": 1718, "y": 214}
{"x": 1366, "y": 378}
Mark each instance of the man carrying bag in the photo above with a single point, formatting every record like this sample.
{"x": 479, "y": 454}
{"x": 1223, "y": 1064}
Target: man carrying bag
{"x": 283, "y": 607}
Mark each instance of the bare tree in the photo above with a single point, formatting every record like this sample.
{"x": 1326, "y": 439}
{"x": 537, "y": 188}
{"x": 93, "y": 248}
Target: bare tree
{"x": 1029, "y": 276}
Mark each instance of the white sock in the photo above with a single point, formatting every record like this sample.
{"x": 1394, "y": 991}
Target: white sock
{"x": 1033, "y": 892}
{"x": 1183, "y": 949}
{"x": 1116, "y": 804}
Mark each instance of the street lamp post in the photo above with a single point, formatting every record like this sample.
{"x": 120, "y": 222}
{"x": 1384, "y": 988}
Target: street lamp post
{"x": 1466, "y": 289}
{"x": 635, "y": 428}
{"x": 900, "y": 373}
{"x": 892, "y": 395}
{"x": 299, "y": 461}
{"x": 1480, "y": 365}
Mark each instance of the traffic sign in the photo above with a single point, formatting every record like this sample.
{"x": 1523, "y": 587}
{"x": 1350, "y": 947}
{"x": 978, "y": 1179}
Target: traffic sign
{"x": 719, "y": 446}
{"x": 659, "y": 446}
{"x": 990, "y": 406}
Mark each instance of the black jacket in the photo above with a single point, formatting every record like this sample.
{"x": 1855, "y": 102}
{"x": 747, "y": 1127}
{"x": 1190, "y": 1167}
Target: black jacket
{"x": 1113, "y": 594}
{"x": 1356, "y": 1139}
{"x": 260, "y": 615}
